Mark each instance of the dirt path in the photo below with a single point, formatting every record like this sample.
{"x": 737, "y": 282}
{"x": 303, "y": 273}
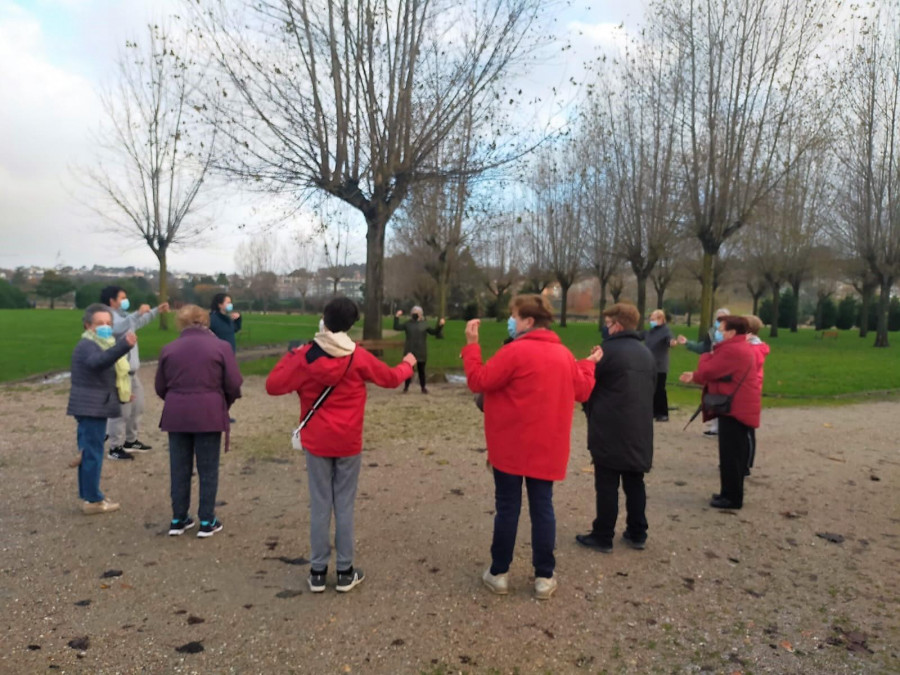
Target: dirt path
{"x": 749, "y": 591}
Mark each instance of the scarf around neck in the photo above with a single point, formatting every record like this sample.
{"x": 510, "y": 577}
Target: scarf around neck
{"x": 335, "y": 344}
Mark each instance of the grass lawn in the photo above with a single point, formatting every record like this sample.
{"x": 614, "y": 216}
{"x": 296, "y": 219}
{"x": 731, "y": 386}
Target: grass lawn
{"x": 800, "y": 369}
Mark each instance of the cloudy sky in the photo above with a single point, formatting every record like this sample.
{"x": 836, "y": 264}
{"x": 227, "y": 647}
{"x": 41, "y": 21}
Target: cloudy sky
{"x": 55, "y": 55}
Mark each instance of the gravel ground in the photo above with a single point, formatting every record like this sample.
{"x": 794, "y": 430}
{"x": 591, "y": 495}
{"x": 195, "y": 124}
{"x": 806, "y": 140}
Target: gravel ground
{"x": 753, "y": 591}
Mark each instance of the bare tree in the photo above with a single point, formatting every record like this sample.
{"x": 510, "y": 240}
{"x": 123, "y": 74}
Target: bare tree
{"x": 747, "y": 74}
{"x": 869, "y": 155}
{"x": 256, "y": 259}
{"x": 335, "y": 236}
{"x": 496, "y": 255}
{"x": 353, "y": 98}
{"x": 301, "y": 259}
{"x": 149, "y": 172}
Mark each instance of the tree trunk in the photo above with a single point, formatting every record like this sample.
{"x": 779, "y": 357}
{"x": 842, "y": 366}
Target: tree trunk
{"x": 641, "y": 295}
{"x": 375, "y": 231}
{"x": 884, "y": 305}
{"x": 443, "y": 282}
{"x": 163, "y": 287}
{"x": 564, "y": 288}
{"x": 776, "y": 297}
{"x": 864, "y": 311}
{"x": 755, "y": 311}
{"x": 795, "y": 317}
{"x": 600, "y": 322}
{"x": 660, "y": 293}
{"x": 820, "y": 314}
{"x": 707, "y": 293}
{"x": 689, "y": 314}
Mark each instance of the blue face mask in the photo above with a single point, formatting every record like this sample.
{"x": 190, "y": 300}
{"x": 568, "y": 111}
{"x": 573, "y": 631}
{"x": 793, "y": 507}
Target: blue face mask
{"x": 718, "y": 336}
{"x": 124, "y": 305}
{"x": 653, "y": 324}
{"x": 104, "y": 332}
{"x": 511, "y": 327}
{"x": 229, "y": 307}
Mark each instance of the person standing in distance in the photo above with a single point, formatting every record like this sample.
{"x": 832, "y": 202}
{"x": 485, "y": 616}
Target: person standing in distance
{"x": 224, "y": 322}
{"x": 620, "y": 430}
{"x": 417, "y": 332}
{"x": 123, "y": 430}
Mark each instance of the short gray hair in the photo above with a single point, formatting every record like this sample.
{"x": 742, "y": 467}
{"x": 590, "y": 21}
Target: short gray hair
{"x": 96, "y": 308}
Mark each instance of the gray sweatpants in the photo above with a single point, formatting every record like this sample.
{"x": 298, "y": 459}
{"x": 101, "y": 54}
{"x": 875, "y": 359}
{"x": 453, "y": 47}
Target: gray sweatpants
{"x": 332, "y": 487}
{"x": 125, "y": 428}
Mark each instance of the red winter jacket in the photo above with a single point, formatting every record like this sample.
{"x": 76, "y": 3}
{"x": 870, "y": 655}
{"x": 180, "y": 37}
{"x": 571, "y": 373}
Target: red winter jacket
{"x": 721, "y": 371}
{"x": 336, "y": 428}
{"x": 530, "y": 387}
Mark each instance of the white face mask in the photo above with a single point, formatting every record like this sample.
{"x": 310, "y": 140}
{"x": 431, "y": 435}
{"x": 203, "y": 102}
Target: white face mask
{"x": 321, "y": 325}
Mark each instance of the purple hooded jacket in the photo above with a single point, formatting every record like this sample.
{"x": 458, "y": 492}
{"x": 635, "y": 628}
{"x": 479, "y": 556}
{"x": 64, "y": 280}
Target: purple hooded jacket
{"x": 198, "y": 378}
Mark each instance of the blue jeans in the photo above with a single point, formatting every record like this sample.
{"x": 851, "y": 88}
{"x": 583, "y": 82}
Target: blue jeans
{"x": 508, "y": 499}
{"x": 91, "y": 432}
{"x": 183, "y": 448}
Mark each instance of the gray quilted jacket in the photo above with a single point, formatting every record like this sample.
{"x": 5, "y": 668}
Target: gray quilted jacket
{"x": 93, "y": 392}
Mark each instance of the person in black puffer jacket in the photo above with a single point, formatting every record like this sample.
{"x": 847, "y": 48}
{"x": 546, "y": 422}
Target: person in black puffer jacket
{"x": 620, "y": 429}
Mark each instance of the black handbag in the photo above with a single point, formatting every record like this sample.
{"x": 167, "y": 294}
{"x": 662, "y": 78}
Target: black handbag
{"x": 720, "y": 404}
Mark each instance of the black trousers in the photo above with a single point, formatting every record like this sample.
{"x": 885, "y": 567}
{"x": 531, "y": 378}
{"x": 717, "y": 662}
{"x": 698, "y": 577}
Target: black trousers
{"x": 184, "y": 449}
{"x": 606, "y": 484}
{"x": 734, "y": 453}
{"x": 420, "y": 366}
{"x": 660, "y": 399}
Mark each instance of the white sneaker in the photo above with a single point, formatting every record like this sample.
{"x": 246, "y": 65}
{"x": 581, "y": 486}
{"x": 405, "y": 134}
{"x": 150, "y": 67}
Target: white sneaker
{"x": 498, "y": 584}
{"x": 544, "y": 587}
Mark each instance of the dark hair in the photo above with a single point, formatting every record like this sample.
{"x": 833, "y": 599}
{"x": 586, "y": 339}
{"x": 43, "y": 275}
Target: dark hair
{"x": 625, "y": 314}
{"x": 535, "y": 306}
{"x": 738, "y": 324}
{"x": 96, "y": 308}
{"x": 110, "y": 293}
{"x": 217, "y": 300}
{"x": 340, "y": 314}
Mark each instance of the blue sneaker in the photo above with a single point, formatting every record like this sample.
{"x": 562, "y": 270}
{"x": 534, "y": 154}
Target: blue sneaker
{"x": 209, "y": 528}
{"x": 177, "y": 527}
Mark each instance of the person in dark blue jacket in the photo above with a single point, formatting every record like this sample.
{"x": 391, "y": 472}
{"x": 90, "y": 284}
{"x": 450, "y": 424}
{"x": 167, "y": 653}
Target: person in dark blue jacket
{"x": 223, "y": 320}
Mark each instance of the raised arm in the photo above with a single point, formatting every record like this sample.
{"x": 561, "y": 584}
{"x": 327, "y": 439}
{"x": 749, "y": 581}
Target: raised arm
{"x": 287, "y": 375}
{"x": 100, "y": 359}
{"x": 381, "y": 374}
{"x": 134, "y": 321}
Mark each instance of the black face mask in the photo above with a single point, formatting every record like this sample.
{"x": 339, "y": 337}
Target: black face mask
{"x": 604, "y": 331}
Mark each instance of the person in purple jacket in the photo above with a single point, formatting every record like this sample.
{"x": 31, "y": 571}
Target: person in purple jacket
{"x": 198, "y": 378}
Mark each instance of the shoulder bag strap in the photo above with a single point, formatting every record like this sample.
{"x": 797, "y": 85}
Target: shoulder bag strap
{"x": 325, "y": 394}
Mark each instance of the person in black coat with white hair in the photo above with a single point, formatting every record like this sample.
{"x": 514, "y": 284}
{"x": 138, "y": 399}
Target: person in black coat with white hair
{"x": 620, "y": 430}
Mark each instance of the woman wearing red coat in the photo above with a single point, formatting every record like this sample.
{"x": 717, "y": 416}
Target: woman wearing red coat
{"x": 530, "y": 387}
{"x": 732, "y": 369}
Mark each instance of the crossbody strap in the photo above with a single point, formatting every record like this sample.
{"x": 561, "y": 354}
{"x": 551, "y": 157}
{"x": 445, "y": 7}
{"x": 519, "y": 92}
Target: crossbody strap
{"x": 324, "y": 395}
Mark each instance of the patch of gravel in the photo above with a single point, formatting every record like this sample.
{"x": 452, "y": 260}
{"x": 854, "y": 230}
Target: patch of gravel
{"x": 757, "y": 590}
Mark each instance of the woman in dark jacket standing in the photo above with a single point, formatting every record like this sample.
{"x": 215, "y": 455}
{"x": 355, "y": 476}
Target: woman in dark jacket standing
{"x": 417, "y": 332}
{"x": 659, "y": 340}
{"x": 620, "y": 430}
{"x": 198, "y": 378}
{"x": 93, "y": 399}
{"x": 223, "y": 321}
{"x": 731, "y": 369}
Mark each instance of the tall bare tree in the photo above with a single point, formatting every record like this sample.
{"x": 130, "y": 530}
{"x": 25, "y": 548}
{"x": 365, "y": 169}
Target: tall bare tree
{"x": 869, "y": 155}
{"x": 353, "y": 97}
{"x": 748, "y": 72}
{"x": 256, "y": 259}
{"x": 149, "y": 169}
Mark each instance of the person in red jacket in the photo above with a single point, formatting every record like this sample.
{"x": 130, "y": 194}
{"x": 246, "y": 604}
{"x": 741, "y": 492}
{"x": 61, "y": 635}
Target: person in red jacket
{"x": 530, "y": 387}
{"x": 731, "y": 369}
{"x": 754, "y": 325}
{"x": 332, "y": 438}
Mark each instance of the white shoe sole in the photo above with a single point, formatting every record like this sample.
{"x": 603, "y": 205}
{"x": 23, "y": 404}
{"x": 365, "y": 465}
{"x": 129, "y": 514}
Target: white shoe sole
{"x": 178, "y": 532}
{"x": 349, "y": 587}
{"x": 203, "y": 535}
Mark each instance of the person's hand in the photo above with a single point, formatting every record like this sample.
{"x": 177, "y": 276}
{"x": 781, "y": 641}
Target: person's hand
{"x": 686, "y": 377}
{"x": 235, "y": 315}
{"x": 681, "y": 339}
{"x": 673, "y": 343}
{"x": 410, "y": 359}
{"x": 131, "y": 339}
{"x": 596, "y": 354}
{"x": 163, "y": 308}
{"x": 472, "y": 331}
{"x": 143, "y": 309}
{"x": 399, "y": 313}
{"x": 442, "y": 321}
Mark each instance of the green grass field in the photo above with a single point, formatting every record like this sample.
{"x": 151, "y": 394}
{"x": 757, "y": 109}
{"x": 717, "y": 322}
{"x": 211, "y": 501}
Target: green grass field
{"x": 800, "y": 370}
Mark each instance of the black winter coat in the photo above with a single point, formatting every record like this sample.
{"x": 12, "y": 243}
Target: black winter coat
{"x": 93, "y": 392}
{"x": 620, "y": 409}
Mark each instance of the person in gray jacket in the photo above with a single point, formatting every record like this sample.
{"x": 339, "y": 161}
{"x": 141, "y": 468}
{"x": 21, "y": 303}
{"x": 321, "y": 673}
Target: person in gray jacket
{"x": 93, "y": 399}
{"x": 659, "y": 340}
{"x": 417, "y": 332}
{"x": 123, "y": 429}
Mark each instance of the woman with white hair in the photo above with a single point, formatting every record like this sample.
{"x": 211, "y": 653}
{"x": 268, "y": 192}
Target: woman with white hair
{"x": 417, "y": 332}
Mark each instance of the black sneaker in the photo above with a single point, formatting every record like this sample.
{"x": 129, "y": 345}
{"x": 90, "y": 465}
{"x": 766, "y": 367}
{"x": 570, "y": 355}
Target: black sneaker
{"x": 316, "y": 580}
{"x": 661, "y": 418}
{"x": 347, "y": 581}
{"x": 136, "y": 446}
{"x": 119, "y": 453}
{"x": 591, "y": 540}
{"x": 177, "y": 527}
{"x": 209, "y": 528}
{"x": 639, "y": 544}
